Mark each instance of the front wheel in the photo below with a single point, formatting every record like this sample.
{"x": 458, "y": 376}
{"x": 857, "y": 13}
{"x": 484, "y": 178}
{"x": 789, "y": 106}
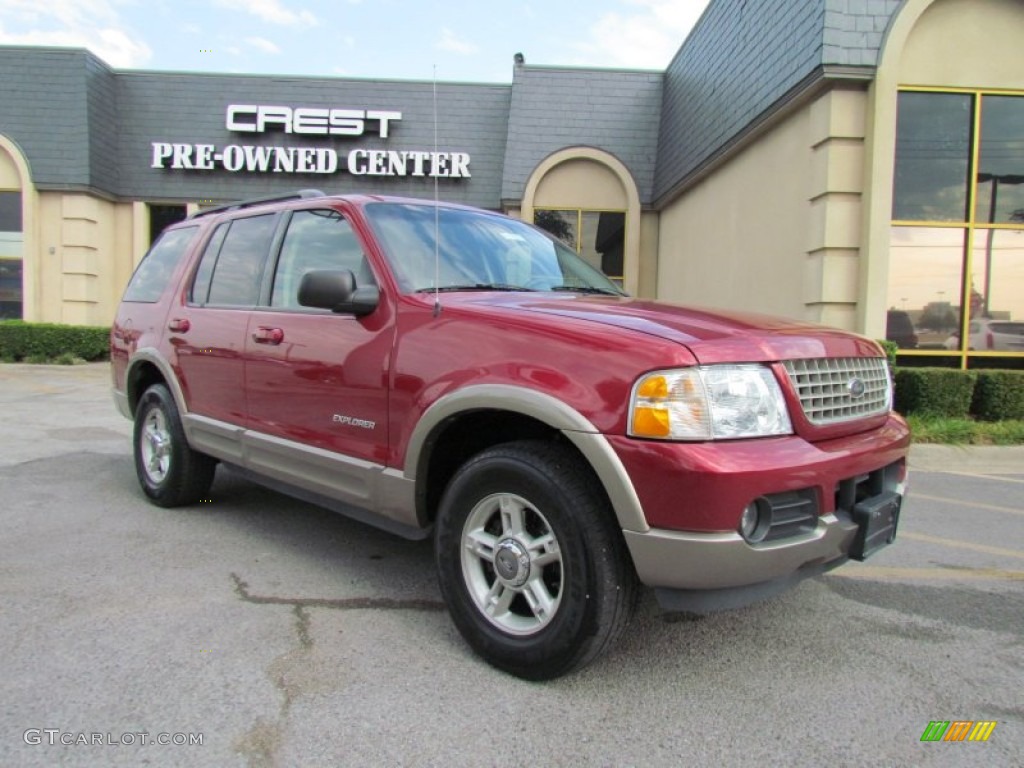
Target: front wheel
{"x": 170, "y": 472}
{"x": 530, "y": 561}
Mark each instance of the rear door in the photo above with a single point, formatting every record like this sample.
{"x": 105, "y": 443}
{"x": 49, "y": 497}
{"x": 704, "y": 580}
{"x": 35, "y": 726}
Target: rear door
{"x": 208, "y": 327}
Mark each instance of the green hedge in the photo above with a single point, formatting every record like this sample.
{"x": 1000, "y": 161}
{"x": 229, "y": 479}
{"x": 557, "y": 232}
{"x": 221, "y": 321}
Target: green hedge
{"x": 935, "y": 391}
{"x": 950, "y": 393}
{"x": 47, "y": 341}
{"x": 999, "y": 395}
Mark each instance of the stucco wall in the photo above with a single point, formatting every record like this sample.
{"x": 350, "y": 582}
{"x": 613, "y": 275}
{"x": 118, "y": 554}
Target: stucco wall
{"x": 581, "y": 183}
{"x": 777, "y": 228}
{"x": 85, "y": 258}
{"x": 983, "y": 36}
{"x": 9, "y": 179}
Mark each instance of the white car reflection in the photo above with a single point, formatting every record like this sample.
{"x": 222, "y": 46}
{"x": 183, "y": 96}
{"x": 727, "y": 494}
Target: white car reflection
{"x": 1005, "y": 335}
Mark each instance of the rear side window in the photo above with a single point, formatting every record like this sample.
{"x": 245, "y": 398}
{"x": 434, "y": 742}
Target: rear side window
{"x": 154, "y": 272}
{"x": 236, "y": 266}
{"x": 201, "y": 283}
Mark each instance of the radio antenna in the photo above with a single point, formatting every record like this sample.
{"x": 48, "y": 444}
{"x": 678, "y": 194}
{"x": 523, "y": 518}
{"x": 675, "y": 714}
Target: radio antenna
{"x": 437, "y": 222}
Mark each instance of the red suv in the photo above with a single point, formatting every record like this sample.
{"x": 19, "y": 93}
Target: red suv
{"x": 440, "y": 370}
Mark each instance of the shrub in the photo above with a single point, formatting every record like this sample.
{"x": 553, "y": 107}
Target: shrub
{"x": 890, "y": 348}
{"x": 934, "y": 391}
{"x": 999, "y": 395}
{"x": 47, "y": 341}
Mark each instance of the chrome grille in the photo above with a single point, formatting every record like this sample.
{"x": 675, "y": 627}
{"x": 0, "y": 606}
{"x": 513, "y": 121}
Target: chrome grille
{"x": 829, "y": 391}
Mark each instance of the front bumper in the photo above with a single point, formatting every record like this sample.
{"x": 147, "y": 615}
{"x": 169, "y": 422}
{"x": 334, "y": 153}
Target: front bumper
{"x": 693, "y": 497}
{"x": 721, "y": 560}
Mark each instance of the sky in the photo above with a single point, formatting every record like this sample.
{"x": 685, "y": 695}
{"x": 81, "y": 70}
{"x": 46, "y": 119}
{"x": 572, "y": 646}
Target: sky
{"x": 463, "y": 40}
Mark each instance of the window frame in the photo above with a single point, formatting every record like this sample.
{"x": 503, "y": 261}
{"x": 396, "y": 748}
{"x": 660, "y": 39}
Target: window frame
{"x": 971, "y": 226}
{"x": 278, "y": 251}
{"x": 266, "y": 258}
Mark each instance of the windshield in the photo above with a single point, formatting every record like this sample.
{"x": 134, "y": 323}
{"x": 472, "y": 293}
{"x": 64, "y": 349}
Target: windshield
{"x": 477, "y": 251}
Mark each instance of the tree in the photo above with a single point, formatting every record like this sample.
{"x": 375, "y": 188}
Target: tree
{"x": 938, "y": 317}
{"x": 551, "y": 221}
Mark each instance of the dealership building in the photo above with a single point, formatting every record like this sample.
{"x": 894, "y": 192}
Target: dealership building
{"x": 857, "y": 163}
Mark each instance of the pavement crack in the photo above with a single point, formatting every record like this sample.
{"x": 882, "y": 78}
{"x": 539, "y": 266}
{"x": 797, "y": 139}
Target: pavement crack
{"x": 302, "y": 628}
{"x": 297, "y": 670}
{"x": 338, "y": 604}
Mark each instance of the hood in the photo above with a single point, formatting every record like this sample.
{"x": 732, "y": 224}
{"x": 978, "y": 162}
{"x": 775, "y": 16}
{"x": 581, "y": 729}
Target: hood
{"x": 712, "y": 335}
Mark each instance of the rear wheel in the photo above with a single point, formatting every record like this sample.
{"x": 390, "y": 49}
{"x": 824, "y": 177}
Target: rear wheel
{"x": 170, "y": 472}
{"x": 531, "y": 562}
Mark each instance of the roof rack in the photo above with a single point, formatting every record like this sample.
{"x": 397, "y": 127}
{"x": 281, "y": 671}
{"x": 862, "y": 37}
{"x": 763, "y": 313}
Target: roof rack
{"x": 301, "y": 194}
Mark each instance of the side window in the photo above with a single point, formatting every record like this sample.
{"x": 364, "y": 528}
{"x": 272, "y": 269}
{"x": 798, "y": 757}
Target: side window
{"x": 154, "y": 271}
{"x": 201, "y": 283}
{"x": 236, "y": 274}
{"x": 320, "y": 239}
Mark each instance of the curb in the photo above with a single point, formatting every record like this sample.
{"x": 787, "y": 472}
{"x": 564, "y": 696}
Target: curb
{"x": 984, "y": 459}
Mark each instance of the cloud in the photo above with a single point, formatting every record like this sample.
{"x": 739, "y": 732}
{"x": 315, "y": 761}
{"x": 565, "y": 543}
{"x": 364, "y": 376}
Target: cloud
{"x": 73, "y": 13}
{"x": 92, "y": 24}
{"x": 115, "y": 46}
{"x": 273, "y": 11}
{"x": 449, "y": 42}
{"x": 646, "y": 37}
{"x": 262, "y": 44}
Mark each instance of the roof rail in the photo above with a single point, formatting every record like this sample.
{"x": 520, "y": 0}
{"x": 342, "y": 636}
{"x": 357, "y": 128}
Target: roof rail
{"x": 301, "y": 194}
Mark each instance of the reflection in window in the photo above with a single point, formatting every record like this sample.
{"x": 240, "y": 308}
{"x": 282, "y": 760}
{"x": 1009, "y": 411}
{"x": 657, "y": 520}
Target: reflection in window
{"x": 11, "y": 244}
{"x": 561, "y": 224}
{"x": 933, "y": 138}
{"x": 924, "y": 286}
{"x": 320, "y": 239}
{"x": 598, "y": 236}
{"x": 1000, "y": 198}
{"x": 997, "y": 289}
{"x": 155, "y": 270}
{"x": 201, "y": 282}
{"x": 236, "y": 275}
{"x": 477, "y": 251}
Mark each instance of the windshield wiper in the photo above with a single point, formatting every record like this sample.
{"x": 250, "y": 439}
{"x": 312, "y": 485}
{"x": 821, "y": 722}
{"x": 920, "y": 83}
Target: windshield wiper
{"x": 585, "y": 289}
{"x": 476, "y": 287}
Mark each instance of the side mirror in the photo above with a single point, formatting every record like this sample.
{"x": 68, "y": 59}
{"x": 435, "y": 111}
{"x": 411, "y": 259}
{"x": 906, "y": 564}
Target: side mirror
{"x": 336, "y": 290}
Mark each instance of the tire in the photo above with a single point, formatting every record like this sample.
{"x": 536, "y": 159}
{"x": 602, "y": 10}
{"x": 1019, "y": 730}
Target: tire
{"x": 171, "y": 474}
{"x": 531, "y": 561}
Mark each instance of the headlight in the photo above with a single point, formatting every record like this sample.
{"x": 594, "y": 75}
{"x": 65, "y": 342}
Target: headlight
{"x": 714, "y": 402}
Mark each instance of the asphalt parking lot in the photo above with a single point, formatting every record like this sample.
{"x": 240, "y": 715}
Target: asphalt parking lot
{"x": 279, "y": 634}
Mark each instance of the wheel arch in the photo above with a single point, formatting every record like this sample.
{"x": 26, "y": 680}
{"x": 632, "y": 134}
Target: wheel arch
{"x": 147, "y": 368}
{"x": 472, "y": 419}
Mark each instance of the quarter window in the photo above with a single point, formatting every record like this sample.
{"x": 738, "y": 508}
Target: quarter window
{"x": 154, "y": 272}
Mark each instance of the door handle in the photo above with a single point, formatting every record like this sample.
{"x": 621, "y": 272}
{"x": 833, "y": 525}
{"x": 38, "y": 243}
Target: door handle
{"x": 265, "y": 335}
{"x": 179, "y": 325}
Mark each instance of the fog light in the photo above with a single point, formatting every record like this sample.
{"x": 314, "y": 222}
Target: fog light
{"x": 756, "y": 520}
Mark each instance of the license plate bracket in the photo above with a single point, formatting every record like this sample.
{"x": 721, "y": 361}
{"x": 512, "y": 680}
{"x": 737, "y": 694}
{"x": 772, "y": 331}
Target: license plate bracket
{"x": 876, "y": 520}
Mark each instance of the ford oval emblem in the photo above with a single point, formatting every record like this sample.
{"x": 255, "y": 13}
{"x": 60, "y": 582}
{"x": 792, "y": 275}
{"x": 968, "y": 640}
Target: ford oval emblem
{"x": 856, "y": 388}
